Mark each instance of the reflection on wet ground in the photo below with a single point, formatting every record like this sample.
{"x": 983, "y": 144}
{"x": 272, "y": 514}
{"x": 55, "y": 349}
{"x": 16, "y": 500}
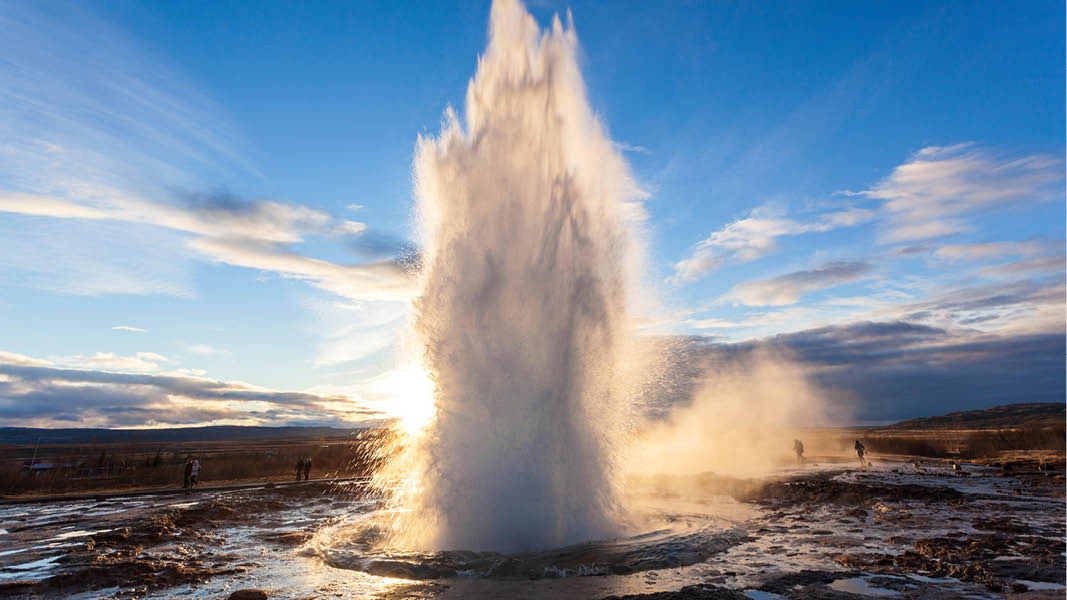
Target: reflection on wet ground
{"x": 830, "y": 532}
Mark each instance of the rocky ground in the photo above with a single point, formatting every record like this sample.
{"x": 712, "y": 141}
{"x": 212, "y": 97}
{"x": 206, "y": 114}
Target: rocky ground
{"x": 901, "y": 530}
{"x": 894, "y": 530}
{"x": 150, "y": 546}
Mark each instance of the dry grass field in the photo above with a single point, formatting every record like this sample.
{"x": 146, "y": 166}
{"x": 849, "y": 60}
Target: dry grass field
{"x": 30, "y": 470}
{"x": 1030, "y": 435}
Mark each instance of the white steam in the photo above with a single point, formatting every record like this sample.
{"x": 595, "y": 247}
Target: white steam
{"x": 742, "y": 421}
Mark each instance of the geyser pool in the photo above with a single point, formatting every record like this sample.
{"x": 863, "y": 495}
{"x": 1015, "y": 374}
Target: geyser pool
{"x": 526, "y": 215}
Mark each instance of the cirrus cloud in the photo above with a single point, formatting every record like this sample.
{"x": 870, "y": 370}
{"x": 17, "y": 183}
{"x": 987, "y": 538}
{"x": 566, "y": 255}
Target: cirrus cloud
{"x": 788, "y": 288}
{"x": 755, "y": 236}
{"x": 932, "y": 195}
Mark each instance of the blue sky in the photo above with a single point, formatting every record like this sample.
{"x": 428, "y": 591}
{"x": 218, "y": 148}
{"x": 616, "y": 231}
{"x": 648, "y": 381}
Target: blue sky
{"x": 202, "y": 205}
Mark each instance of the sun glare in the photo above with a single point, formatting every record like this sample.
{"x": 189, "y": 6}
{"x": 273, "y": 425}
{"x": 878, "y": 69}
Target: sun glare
{"x": 412, "y": 402}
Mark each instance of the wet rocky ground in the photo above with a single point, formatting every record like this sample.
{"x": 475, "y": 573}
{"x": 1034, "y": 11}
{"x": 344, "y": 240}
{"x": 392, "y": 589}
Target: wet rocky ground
{"x": 156, "y": 546}
{"x": 894, "y": 530}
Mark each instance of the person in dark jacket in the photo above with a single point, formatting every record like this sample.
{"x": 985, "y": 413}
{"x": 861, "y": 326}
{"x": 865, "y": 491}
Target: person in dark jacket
{"x": 798, "y": 447}
{"x": 188, "y": 472}
{"x": 307, "y": 468}
{"x": 299, "y": 468}
{"x": 861, "y": 450}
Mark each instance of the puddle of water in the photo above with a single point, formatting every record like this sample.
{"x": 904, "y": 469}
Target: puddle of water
{"x": 925, "y": 579}
{"x": 860, "y": 585}
{"x": 1040, "y": 586}
{"x": 59, "y": 545}
{"x": 101, "y": 513}
{"x": 758, "y": 595}
{"x": 76, "y": 534}
{"x": 30, "y": 570}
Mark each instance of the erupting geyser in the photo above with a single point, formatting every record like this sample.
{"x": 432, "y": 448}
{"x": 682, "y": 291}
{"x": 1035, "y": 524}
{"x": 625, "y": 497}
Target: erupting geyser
{"x": 525, "y": 217}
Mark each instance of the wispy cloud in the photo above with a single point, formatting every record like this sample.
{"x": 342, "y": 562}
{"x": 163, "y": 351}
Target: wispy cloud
{"x": 1047, "y": 265}
{"x": 350, "y": 227}
{"x": 989, "y": 250}
{"x": 788, "y": 288}
{"x": 129, "y": 328}
{"x": 12, "y": 358}
{"x": 624, "y": 147}
{"x": 92, "y": 258}
{"x": 929, "y": 197}
{"x": 206, "y": 350}
{"x": 247, "y": 235}
{"x": 1028, "y": 305}
{"x": 716, "y": 323}
{"x": 379, "y": 280}
{"x": 932, "y": 195}
{"x": 759, "y": 323}
{"x": 95, "y": 94}
{"x": 141, "y": 361}
{"x": 352, "y": 331}
{"x": 34, "y": 393}
{"x": 755, "y": 236}
{"x": 104, "y": 133}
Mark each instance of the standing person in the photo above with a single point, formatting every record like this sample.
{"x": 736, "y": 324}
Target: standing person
{"x": 299, "y": 468}
{"x": 798, "y": 447}
{"x": 195, "y": 473}
{"x": 307, "y": 468}
{"x": 188, "y": 471}
{"x": 860, "y": 451}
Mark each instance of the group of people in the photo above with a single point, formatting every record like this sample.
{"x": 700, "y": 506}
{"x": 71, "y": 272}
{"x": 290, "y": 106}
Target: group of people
{"x": 192, "y": 472}
{"x": 303, "y": 467}
{"x": 861, "y": 452}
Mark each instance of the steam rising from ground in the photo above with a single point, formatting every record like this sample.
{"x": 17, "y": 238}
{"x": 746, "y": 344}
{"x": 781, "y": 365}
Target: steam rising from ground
{"x": 526, "y": 216}
{"x": 742, "y": 420}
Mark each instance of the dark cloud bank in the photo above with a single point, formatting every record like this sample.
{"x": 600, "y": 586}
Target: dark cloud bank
{"x": 891, "y": 370}
{"x": 69, "y": 397}
{"x": 899, "y": 370}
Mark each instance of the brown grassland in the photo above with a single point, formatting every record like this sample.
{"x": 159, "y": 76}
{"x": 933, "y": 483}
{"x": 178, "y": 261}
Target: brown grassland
{"x": 28, "y": 470}
{"x": 84, "y": 468}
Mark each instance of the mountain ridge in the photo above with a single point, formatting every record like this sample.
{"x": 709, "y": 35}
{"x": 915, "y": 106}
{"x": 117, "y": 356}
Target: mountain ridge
{"x": 210, "y": 433}
{"x": 1039, "y": 414}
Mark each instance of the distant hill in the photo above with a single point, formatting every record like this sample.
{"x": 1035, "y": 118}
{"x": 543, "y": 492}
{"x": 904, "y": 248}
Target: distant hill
{"x": 1008, "y": 415}
{"x": 25, "y": 435}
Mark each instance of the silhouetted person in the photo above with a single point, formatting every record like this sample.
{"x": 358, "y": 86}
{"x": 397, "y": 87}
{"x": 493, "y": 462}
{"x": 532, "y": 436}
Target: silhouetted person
{"x": 860, "y": 451}
{"x": 299, "y": 468}
{"x": 798, "y": 447}
{"x": 307, "y": 468}
{"x": 188, "y": 472}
